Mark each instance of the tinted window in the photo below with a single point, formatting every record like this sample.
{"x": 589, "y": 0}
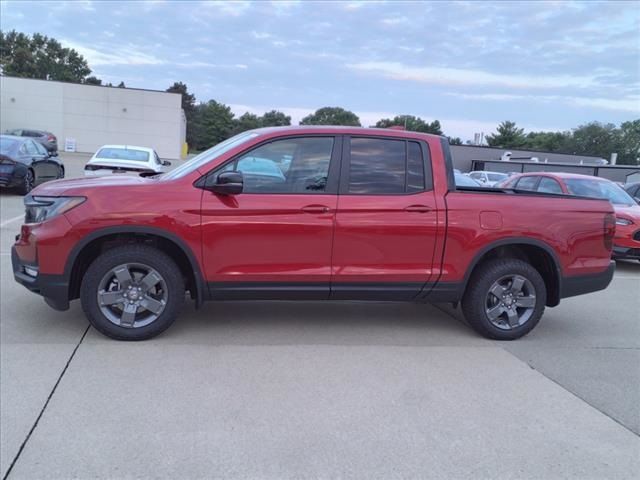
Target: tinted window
{"x": 415, "y": 168}
{"x": 549, "y": 185}
{"x": 380, "y": 166}
{"x": 31, "y": 147}
{"x": 295, "y": 165}
{"x": 527, "y": 183}
{"x": 40, "y": 148}
{"x": 476, "y": 175}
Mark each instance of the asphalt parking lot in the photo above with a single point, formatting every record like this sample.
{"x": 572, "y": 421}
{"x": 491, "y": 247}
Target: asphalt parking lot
{"x": 318, "y": 390}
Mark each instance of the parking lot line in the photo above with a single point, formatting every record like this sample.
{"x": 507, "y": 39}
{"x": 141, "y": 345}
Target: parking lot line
{"x": 11, "y": 220}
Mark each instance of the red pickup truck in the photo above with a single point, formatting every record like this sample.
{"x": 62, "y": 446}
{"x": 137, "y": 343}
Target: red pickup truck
{"x": 310, "y": 213}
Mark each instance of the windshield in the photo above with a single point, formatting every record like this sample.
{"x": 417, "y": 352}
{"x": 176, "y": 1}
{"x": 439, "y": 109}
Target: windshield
{"x": 598, "y": 189}
{"x": 123, "y": 154}
{"x": 208, "y": 155}
{"x": 7, "y": 144}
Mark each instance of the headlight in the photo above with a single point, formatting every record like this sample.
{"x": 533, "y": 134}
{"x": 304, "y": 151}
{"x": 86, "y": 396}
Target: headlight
{"x": 623, "y": 221}
{"x": 39, "y": 209}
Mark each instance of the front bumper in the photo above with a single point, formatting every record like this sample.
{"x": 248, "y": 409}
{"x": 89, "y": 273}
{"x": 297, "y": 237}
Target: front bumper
{"x": 54, "y": 288}
{"x": 626, "y": 252}
{"x": 572, "y": 286}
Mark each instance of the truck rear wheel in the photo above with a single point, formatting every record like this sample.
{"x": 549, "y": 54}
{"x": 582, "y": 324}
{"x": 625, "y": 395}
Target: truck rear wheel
{"x": 132, "y": 292}
{"x": 505, "y": 299}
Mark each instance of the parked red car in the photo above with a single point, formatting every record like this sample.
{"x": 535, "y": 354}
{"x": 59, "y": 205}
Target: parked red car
{"x": 626, "y": 243}
{"x": 348, "y": 213}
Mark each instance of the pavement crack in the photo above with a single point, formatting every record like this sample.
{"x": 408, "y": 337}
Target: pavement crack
{"x": 46, "y": 403}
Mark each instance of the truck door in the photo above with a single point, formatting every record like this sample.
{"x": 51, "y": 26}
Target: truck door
{"x": 274, "y": 239}
{"x": 386, "y": 220}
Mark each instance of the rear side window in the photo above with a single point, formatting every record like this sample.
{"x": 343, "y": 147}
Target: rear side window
{"x": 527, "y": 183}
{"x": 381, "y": 166}
{"x": 549, "y": 185}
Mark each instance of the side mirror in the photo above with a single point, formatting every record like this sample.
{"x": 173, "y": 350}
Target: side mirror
{"x": 227, "y": 183}
{"x": 166, "y": 163}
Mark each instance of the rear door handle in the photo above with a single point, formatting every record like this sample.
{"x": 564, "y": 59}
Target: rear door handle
{"x": 315, "y": 209}
{"x": 418, "y": 208}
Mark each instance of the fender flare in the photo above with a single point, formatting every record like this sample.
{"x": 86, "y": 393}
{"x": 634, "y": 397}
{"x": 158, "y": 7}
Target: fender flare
{"x": 144, "y": 230}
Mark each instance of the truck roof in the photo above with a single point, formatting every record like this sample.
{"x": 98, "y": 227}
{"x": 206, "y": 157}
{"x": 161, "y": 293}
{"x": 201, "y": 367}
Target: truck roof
{"x": 345, "y": 130}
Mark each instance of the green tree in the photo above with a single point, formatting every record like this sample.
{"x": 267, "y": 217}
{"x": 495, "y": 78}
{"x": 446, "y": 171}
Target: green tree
{"x": 247, "y": 121}
{"x": 507, "y": 136}
{"x": 92, "y": 81}
{"x": 629, "y": 143}
{"x": 455, "y": 141}
{"x": 412, "y": 123}
{"x": 40, "y": 57}
{"x": 212, "y": 123}
{"x": 332, "y": 116}
{"x": 275, "y": 118}
{"x": 549, "y": 141}
{"x": 595, "y": 138}
{"x": 122, "y": 85}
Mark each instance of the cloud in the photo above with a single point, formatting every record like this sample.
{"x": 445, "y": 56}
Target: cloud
{"x": 126, "y": 55}
{"x": 233, "y": 9}
{"x": 469, "y": 77}
{"x": 629, "y": 103}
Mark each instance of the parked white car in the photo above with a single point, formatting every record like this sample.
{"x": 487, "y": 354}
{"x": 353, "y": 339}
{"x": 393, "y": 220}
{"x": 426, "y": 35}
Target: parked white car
{"x": 110, "y": 159}
{"x": 488, "y": 179}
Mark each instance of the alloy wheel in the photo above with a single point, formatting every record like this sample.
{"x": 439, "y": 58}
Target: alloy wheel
{"x": 132, "y": 295}
{"x": 510, "y": 302}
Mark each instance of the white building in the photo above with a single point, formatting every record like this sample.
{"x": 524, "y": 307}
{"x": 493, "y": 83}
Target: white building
{"x": 94, "y": 115}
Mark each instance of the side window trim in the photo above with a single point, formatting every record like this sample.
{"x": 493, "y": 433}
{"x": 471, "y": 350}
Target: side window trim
{"x": 345, "y": 170}
{"x": 332, "y": 177}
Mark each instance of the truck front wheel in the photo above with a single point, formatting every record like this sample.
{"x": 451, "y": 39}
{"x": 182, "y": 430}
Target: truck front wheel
{"x": 505, "y": 299}
{"x": 132, "y": 292}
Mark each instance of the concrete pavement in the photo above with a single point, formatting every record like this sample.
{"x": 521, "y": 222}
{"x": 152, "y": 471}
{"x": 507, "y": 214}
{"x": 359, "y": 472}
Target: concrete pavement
{"x": 308, "y": 390}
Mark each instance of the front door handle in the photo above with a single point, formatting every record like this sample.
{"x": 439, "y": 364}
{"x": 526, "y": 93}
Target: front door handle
{"x": 315, "y": 209}
{"x": 418, "y": 208}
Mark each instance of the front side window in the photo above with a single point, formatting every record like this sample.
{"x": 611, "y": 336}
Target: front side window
{"x": 293, "y": 165}
{"x": 598, "y": 189}
{"x": 381, "y": 166}
{"x": 549, "y": 185}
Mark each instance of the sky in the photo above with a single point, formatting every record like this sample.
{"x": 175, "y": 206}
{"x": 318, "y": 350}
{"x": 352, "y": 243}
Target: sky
{"x": 549, "y": 65}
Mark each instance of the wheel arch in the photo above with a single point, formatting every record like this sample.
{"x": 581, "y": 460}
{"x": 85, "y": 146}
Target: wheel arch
{"x": 96, "y": 242}
{"x": 538, "y": 253}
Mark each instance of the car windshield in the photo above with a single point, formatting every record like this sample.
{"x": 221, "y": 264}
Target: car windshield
{"x": 111, "y": 153}
{"x": 208, "y": 155}
{"x": 464, "y": 181}
{"x": 598, "y": 189}
{"x": 7, "y": 144}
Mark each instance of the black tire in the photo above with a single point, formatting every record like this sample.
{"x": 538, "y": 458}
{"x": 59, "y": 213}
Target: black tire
{"x": 143, "y": 255}
{"x": 477, "y": 299}
{"x": 27, "y": 183}
{"x": 60, "y": 172}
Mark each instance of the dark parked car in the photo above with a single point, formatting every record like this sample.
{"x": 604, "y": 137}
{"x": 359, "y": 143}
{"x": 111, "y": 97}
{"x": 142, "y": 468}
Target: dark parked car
{"x": 47, "y": 139}
{"x": 633, "y": 189}
{"x": 25, "y": 163}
